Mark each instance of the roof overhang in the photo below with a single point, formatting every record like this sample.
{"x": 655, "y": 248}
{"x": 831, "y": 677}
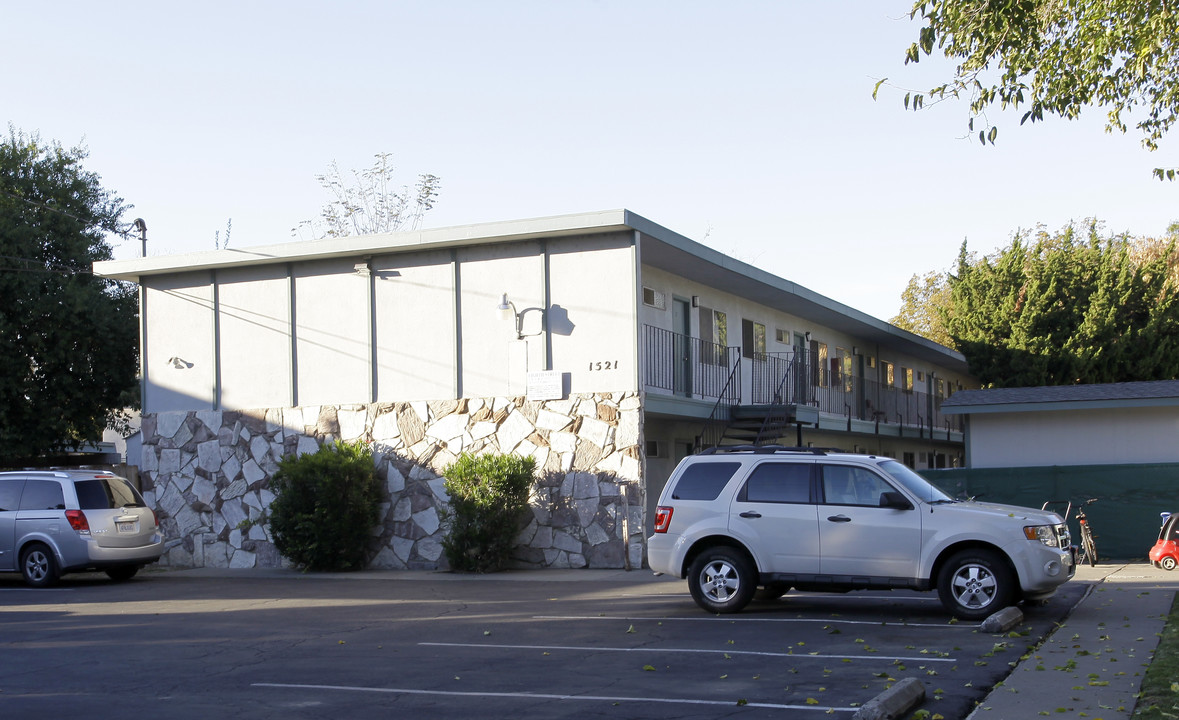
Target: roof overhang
{"x": 660, "y": 247}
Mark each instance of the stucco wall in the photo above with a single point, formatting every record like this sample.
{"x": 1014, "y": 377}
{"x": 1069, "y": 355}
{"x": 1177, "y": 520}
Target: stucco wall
{"x": 1073, "y": 437}
{"x": 400, "y": 326}
{"x": 208, "y": 474}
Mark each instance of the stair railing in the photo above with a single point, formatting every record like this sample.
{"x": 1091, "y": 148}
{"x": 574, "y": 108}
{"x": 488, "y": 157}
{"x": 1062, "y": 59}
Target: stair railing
{"x": 722, "y": 411}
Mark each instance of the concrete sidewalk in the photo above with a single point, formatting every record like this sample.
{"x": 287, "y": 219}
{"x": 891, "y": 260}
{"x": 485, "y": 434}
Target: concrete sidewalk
{"x": 1092, "y": 665}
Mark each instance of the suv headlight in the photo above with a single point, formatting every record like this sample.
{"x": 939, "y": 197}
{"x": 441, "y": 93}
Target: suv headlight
{"x": 1044, "y": 533}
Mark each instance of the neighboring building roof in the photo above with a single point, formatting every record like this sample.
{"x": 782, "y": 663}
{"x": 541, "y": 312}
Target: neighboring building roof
{"x": 1063, "y": 397}
{"x": 662, "y": 248}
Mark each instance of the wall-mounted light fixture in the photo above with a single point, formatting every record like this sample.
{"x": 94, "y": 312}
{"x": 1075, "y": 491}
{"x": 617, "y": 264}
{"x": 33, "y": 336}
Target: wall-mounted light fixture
{"x": 807, "y": 335}
{"x": 507, "y": 306}
{"x": 363, "y": 268}
{"x": 179, "y": 363}
{"x": 695, "y": 301}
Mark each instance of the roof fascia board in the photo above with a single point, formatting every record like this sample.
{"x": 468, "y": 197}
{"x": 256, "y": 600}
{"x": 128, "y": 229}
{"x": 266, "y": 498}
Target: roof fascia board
{"x": 1112, "y": 404}
{"x": 352, "y": 246}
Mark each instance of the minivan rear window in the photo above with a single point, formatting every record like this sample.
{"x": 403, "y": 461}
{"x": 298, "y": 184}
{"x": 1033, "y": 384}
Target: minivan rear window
{"x": 704, "y": 481}
{"x": 106, "y": 494}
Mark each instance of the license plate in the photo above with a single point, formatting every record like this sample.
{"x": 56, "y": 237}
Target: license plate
{"x": 126, "y": 527}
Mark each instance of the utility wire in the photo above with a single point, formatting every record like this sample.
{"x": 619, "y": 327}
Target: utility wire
{"x": 125, "y": 234}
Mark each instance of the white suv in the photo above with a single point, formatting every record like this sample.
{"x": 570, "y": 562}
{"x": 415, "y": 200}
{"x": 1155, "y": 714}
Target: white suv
{"x": 731, "y": 520}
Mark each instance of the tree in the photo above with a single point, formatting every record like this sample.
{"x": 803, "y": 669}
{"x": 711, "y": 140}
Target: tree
{"x": 371, "y": 202}
{"x": 1059, "y": 309}
{"x": 68, "y": 340}
{"x": 1057, "y": 57}
{"x": 921, "y": 301}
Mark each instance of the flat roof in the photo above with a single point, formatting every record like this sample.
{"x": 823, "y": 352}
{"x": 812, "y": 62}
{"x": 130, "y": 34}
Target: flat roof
{"x": 659, "y": 247}
{"x": 1150, "y": 393}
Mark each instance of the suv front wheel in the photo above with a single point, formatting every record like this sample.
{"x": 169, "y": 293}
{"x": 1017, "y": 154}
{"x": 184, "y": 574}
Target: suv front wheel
{"x": 973, "y": 584}
{"x": 722, "y": 580}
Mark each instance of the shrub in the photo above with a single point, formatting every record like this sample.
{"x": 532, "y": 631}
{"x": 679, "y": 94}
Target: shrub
{"x": 488, "y": 500}
{"x": 325, "y": 507}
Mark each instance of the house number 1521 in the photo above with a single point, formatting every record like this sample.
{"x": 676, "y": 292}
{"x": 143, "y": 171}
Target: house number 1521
{"x": 603, "y": 365}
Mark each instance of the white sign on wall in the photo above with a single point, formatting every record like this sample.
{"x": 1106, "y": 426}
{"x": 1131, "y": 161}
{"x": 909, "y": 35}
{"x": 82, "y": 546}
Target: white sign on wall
{"x": 545, "y": 385}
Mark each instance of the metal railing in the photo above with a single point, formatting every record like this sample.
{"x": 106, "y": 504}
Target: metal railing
{"x": 689, "y": 366}
{"x": 797, "y": 378}
{"x": 722, "y": 413}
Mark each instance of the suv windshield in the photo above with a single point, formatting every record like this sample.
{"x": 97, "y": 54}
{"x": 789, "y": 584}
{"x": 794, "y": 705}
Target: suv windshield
{"x": 914, "y": 483}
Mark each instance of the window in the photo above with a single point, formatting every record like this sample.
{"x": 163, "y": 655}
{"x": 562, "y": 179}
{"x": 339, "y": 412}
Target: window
{"x": 704, "y": 481}
{"x": 819, "y": 370}
{"x": 10, "y": 495}
{"x": 753, "y": 339}
{"x": 779, "y": 482}
{"x": 841, "y": 370}
{"x": 106, "y": 494}
{"x": 714, "y": 332}
{"x": 781, "y": 336}
{"x": 654, "y": 298}
{"x": 850, "y": 485}
{"x": 42, "y": 495}
{"x": 890, "y": 376}
{"x": 920, "y": 376}
{"x": 871, "y": 362}
{"x": 907, "y": 378}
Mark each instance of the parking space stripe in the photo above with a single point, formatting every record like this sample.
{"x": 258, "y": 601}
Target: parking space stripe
{"x": 713, "y": 618}
{"x": 761, "y": 653}
{"x": 554, "y": 696}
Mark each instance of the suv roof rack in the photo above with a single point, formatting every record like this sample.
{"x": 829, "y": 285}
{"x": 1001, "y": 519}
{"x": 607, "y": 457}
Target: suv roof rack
{"x": 767, "y": 449}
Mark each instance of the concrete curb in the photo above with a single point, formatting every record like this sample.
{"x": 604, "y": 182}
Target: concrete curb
{"x": 1002, "y": 621}
{"x": 894, "y": 702}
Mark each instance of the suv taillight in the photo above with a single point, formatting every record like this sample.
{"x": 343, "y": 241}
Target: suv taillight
{"x": 662, "y": 518}
{"x": 77, "y": 520}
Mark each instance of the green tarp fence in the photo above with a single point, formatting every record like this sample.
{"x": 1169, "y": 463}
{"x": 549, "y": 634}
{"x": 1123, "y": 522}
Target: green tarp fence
{"x": 1124, "y": 520}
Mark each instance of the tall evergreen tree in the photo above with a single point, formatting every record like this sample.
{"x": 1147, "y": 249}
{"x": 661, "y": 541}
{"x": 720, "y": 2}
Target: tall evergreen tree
{"x": 68, "y": 340}
{"x": 1061, "y": 310}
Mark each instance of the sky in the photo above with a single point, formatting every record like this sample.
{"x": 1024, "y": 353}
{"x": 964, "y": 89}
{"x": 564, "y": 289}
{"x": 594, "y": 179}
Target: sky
{"x": 747, "y": 126}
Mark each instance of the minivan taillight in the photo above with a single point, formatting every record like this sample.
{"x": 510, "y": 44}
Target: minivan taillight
{"x": 662, "y": 518}
{"x": 77, "y": 520}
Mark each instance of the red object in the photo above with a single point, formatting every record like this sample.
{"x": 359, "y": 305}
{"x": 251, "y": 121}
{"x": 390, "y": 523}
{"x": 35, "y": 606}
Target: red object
{"x": 1165, "y": 553}
{"x": 78, "y": 521}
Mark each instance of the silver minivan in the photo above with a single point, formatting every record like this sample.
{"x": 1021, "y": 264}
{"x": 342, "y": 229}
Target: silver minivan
{"x": 58, "y": 521}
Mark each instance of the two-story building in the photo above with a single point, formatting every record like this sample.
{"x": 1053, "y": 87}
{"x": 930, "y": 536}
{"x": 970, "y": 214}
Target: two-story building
{"x": 603, "y": 344}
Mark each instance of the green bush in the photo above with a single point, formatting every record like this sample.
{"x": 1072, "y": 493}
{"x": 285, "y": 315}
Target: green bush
{"x": 325, "y": 507}
{"x": 488, "y": 500}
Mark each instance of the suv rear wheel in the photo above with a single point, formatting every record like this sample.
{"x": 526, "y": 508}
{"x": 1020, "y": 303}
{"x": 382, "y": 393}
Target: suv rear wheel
{"x": 973, "y": 584}
{"x": 38, "y": 566}
{"x": 722, "y": 580}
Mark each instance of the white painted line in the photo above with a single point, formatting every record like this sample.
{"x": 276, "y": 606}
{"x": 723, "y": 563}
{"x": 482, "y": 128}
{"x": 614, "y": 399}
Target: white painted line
{"x": 743, "y": 619}
{"x": 553, "y": 696}
{"x": 792, "y": 655}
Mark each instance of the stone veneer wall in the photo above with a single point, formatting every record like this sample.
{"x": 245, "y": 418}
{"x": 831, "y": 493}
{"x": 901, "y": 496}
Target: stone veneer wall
{"x": 208, "y": 472}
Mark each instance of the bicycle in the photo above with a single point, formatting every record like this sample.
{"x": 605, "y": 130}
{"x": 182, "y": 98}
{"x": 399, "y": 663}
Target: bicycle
{"x": 1088, "y": 545}
{"x": 1088, "y": 550}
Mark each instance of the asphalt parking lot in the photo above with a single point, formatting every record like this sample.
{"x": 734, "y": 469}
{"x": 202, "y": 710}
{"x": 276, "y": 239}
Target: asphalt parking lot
{"x": 570, "y": 644}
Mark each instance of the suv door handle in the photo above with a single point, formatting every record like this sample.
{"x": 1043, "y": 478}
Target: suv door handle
{"x": 750, "y": 514}
{"x": 839, "y": 518}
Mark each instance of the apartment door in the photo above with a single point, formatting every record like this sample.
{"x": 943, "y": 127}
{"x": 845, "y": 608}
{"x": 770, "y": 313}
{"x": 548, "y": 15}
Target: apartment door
{"x": 799, "y": 368}
{"x": 681, "y": 326}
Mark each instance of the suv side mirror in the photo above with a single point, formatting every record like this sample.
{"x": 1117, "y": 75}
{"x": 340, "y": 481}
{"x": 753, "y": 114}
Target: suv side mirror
{"x": 895, "y": 500}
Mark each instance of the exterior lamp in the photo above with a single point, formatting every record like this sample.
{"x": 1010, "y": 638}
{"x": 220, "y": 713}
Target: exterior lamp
{"x": 507, "y": 309}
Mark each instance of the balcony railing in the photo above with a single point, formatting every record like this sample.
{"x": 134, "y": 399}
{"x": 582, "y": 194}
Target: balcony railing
{"x": 689, "y": 366}
{"x": 797, "y": 378}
